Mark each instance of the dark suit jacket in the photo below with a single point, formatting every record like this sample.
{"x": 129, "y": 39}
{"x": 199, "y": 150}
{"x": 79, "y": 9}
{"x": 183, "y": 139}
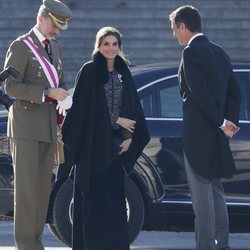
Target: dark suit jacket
{"x": 29, "y": 117}
{"x": 210, "y": 93}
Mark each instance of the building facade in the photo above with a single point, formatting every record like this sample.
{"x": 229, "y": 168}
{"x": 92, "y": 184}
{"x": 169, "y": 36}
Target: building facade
{"x": 147, "y": 35}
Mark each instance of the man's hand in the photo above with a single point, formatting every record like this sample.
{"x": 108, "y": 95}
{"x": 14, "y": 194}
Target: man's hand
{"x": 64, "y": 105}
{"x": 58, "y": 94}
{"x": 230, "y": 129}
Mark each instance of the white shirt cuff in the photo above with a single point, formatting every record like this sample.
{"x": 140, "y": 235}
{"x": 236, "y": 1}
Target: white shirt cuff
{"x": 223, "y": 124}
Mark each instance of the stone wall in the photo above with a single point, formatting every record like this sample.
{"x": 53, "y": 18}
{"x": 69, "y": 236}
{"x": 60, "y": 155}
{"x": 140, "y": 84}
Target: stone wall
{"x": 147, "y": 36}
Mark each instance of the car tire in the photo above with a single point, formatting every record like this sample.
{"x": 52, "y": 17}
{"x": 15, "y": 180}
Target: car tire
{"x": 61, "y": 226}
{"x": 53, "y": 230}
{"x": 135, "y": 209}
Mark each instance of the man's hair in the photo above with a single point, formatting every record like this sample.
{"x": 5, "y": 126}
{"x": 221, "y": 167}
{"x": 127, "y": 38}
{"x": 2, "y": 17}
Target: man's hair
{"x": 42, "y": 11}
{"x": 188, "y": 15}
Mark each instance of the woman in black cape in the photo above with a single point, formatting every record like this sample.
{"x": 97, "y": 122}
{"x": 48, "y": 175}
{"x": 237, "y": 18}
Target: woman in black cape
{"x": 105, "y": 132}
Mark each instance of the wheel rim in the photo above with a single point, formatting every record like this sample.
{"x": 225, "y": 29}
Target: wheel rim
{"x": 128, "y": 209}
{"x": 71, "y": 210}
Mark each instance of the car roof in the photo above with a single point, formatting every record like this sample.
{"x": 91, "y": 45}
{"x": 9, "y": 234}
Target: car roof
{"x": 138, "y": 69}
{"x": 150, "y": 72}
{"x": 153, "y": 66}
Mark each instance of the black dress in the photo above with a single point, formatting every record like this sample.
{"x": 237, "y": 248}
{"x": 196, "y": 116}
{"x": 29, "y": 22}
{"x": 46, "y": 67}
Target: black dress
{"x": 100, "y": 219}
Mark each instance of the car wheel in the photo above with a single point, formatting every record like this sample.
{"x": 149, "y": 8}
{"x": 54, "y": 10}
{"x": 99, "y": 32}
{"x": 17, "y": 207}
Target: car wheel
{"x": 62, "y": 211}
{"x": 135, "y": 209}
{"x": 54, "y": 231}
{"x": 61, "y": 226}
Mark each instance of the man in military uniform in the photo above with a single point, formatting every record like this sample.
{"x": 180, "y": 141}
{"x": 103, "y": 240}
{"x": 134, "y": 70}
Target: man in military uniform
{"x": 32, "y": 123}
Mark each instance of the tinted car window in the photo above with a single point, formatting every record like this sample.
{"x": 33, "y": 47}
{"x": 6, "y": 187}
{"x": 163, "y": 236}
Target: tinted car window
{"x": 162, "y": 99}
{"x": 147, "y": 101}
{"x": 243, "y": 79}
{"x": 169, "y": 99}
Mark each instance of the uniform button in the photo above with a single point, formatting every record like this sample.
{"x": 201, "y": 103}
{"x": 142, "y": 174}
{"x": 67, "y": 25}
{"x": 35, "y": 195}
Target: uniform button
{"x": 25, "y": 107}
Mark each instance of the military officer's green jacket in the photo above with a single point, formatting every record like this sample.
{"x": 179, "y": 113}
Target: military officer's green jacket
{"x": 30, "y": 117}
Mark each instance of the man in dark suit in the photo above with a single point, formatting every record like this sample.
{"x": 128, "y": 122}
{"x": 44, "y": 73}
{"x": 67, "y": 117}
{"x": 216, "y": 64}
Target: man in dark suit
{"x": 32, "y": 121}
{"x": 211, "y": 105}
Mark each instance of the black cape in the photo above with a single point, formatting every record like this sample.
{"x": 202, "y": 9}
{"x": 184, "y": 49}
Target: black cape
{"x": 87, "y": 132}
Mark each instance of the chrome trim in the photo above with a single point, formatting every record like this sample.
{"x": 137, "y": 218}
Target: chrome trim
{"x": 163, "y": 119}
{"x": 241, "y": 70}
{"x": 5, "y": 189}
{"x": 238, "y": 204}
{"x": 158, "y": 80}
{"x": 189, "y": 203}
{"x": 244, "y": 121}
{"x": 180, "y": 119}
{"x": 177, "y": 202}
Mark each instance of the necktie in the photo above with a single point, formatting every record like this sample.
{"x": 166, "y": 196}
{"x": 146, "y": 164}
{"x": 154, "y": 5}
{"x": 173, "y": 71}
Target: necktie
{"x": 47, "y": 48}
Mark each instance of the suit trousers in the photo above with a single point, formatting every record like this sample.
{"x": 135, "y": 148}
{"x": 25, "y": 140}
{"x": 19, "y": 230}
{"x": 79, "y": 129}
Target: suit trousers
{"x": 99, "y": 217}
{"x": 210, "y": 210}
{"x": 33, "y": 162}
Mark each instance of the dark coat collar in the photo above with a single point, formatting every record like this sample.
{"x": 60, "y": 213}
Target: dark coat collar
{"x": 199, "y": 38}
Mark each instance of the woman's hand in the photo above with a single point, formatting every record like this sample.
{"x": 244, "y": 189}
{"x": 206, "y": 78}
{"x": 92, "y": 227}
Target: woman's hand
{"x": 124, "y": 146}
{"x": 126, "y": 123}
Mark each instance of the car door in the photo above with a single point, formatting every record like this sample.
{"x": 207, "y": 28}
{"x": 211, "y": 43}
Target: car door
{"x": 237, "y": 189}
{"x": 162, "y": 107}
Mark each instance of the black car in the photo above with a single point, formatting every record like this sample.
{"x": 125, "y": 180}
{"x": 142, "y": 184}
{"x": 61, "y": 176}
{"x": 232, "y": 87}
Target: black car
{"x": 157, "y": 189}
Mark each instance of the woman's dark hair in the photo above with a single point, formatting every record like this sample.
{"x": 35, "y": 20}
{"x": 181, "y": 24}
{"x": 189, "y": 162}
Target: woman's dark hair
{"x": 188, "y": 15}
{"x": 108, "y": 31}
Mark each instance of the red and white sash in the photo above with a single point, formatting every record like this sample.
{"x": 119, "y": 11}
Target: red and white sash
{"x": 48, "y": 68}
